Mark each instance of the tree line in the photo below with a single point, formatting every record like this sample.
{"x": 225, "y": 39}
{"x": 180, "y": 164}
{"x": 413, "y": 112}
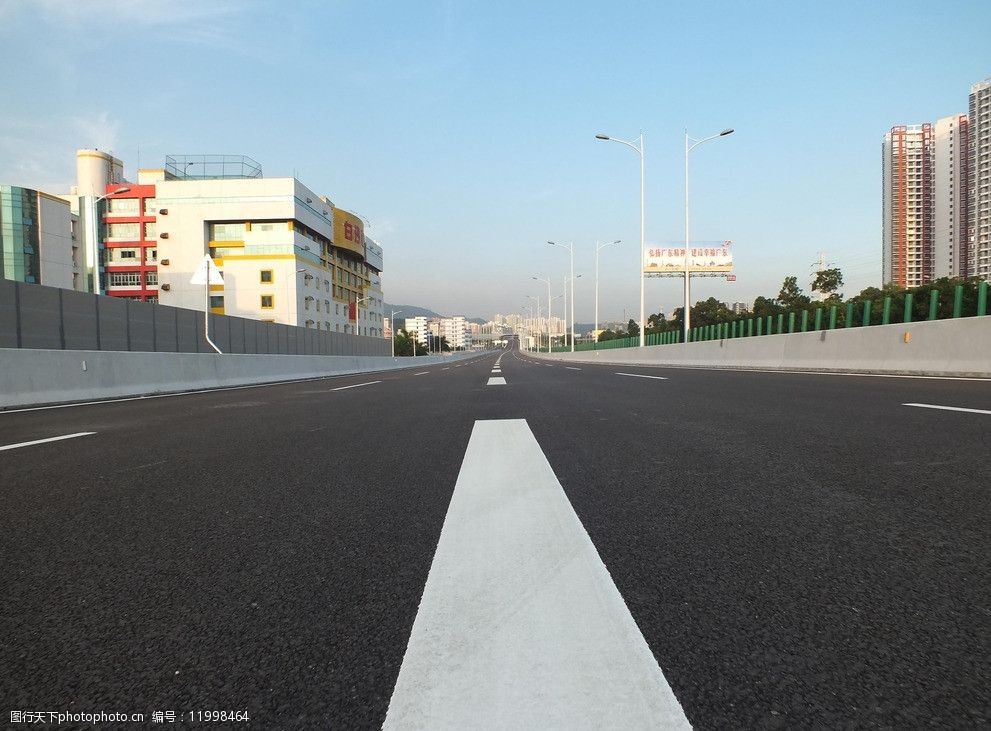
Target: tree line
{"x": 791, "y": 298}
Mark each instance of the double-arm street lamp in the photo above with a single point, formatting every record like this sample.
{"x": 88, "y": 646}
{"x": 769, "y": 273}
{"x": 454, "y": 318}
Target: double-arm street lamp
{"x": 570, "y": 246}
{"x": 690, "y": 144}
{"x": 639, "y": 149}
{"x": 599, "y": 247}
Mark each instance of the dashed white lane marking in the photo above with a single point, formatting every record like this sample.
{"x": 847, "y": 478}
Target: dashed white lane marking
{"x": 520, "y": 624}
{"x": 496, "y": 381}
{"x": 572, "y": 368}
{"x": 548, "y": 365}
{"x": 447, "y": 368}
{"x": 43, "y": 441}
{"x": 950, "y": 408}
{"x": 641, "y": 375}
{"x": 354, "y": 385}
{"x": 421, "y": 373}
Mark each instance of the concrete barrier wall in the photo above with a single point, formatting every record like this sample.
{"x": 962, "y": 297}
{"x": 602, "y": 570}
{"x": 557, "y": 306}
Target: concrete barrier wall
{"x": 35, "y": 377}
{"x": 959, "y": 347}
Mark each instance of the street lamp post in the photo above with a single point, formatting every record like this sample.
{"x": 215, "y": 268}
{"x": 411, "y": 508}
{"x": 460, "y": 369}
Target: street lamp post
{"x": 392, "y": 327}
{"x": 599, "y": 247}
{"x": 548, "y": 280}
{"x": 690, "y": 144}
{"x": 570, "y": 246}
{"x": 536, "y": 344}
{"x": 639, "y": 149}
{"x": 93, "y": 229}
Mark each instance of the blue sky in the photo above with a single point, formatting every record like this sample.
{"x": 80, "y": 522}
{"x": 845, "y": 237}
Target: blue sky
{"x": 463, "y": 131}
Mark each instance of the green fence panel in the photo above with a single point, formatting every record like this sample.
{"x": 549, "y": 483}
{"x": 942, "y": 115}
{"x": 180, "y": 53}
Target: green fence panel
{"x": 770, "y": 321}
{"x": 732, "y": 329}
{"x": 849, "y": 315}
{"x": 832, "y": 317}
{"x": 818, "y": 320}
{"x": 867, "y": 313}
{"x": 750, "y": 327}
{"x": 908, "y": 307}
{"x": 933, "y": 304}
{"x": 781, "y": 322}
{"x": 791, "y": 322}
{"x": 805, "y": 321}
{"x": 886, "y": 311}
{"x": 958, "y": 300}
{"x": 760, "y": 326}
{"x": 982, "y": 299}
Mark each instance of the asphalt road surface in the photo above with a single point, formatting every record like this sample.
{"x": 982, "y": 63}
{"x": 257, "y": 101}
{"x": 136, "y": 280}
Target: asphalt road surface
{"x": 794, "y": 550}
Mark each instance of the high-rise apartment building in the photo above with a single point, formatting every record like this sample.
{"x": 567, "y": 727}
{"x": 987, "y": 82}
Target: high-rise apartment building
{"x": 980, "y": 179}
{"x": 38, "y": 243}
{"x": 907, "y": 209}
{"x": 951, "y": 200}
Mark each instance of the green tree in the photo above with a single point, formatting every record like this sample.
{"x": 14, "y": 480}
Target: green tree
{"x": 828, "y": 281}
{"x": 764, "y": 307}
{"x": 791, "y": 296}
{"x": 632, "y": 329}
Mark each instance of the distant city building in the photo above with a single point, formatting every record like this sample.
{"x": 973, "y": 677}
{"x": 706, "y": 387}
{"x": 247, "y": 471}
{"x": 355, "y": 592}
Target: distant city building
{"x": 737, "y": 308}
{"x": 38, "y": 242}
{"x": 979, "y": 122}
{"x": 907, "y": 209}
{"x": 418, "y": 327}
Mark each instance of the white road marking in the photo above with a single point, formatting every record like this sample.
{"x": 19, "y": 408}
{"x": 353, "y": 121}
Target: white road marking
{"x": 44, "y": 441}
{"x": 548, "y": 365}
{"x": 447, "y": 368}
{"x": 421, "y": 373}
{"x": 355, "y": 385}
{"x": 640, "y": 375}
{"x": 496, "y": 381}
{"x": 520, "y": 624}
{"x": 572, "y": 368}
{"x": 950, "y": 408}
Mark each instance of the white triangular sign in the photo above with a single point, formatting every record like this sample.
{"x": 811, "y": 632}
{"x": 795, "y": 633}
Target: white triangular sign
{"x": 207, "y": 271}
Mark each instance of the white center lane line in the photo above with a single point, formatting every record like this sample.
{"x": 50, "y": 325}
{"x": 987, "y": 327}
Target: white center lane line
{"x": 950, "y": 408}
{"x": 640, "y": 375}
{"x": 520, "y": 624}
{"x": 496, "y": 381}
{"x": 45, "y": 441}
{"x": 421, "y": 373}
{"x": 572, "y": 368}
{"x": 355, "y": 385}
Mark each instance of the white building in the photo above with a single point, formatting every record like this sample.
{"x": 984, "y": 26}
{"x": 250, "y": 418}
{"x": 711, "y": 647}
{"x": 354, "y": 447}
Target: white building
{"x": 456, "y": 331}
{"x": 950, "y": 196}
{"x": 419, "y": 328}
{"x": 38, "y": 243}
{"x": 979, "y": 121}
{"x": 287, "y": 254}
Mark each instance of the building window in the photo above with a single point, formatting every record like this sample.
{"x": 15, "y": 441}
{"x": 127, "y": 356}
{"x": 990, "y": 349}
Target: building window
{"x": 125, "y": 254}
{"x": 150, "y": 206}
{"x": 266, "y": 276}
{"x": 151, "y": 278}
{"x": 227, "y": 231}
{"x": 124, "y": 231}
{"x": 216, "y": 300}
{"x": 151, "y": 231}
{"x": 267, "y": 301}
{"x": 123, "y": 206}
{"x": 152, "y": 256}
{"x": 125, "y": 279}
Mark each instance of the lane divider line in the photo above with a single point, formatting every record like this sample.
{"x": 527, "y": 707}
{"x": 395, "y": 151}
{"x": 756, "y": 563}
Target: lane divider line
{"x": 949, "y": 408}
{"x": 354, "y": 385}
{"x": 520, "y": 624}
{"x": 496, "y": 381}
{"x": 641, "y": 375}
{"x": 45, "y": 441}
{"x": 421, "y": 373}
{"x": 572, "y": 368}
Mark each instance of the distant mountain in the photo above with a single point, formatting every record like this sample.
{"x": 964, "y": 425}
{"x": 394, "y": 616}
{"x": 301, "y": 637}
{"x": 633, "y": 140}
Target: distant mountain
{"x": 409, "y": 311}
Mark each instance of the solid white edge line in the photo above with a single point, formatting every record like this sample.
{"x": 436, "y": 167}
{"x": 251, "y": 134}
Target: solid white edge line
{"x": 44, "y": 441}
{"x": 950, "y": 408}
{"x": 354, "y": 385}
{"x": 641, "y": 375}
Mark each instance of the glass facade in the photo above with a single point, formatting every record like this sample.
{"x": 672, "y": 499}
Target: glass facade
{"x": 19, "y": 240}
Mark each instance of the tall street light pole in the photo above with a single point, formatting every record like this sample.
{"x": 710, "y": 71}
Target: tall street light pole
{"x": 599, "y": 247}
{"x": 392, "y": 328}
{"x": 93, "y": 229}
{"x": 536, "y": 345}
{"x": 548, "y": 280}
{"x": 639, "y": 149}
{"x": 690, "y": 144}
{"x": 570, "y": 246}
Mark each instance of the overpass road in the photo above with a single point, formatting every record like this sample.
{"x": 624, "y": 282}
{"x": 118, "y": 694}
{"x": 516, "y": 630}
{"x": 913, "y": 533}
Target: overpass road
{"x": 544, "y": 546}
